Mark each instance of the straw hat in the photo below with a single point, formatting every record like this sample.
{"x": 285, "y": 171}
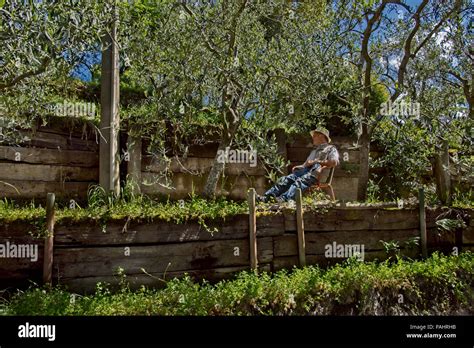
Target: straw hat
{"x": 323, "y": 131}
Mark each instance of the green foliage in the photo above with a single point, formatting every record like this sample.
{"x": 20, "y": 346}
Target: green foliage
{"x": 310, "y": 201}
{"x": 41, "y": 42}
{"x": 217, "y": 64}
{"x": 391, "y": 246}
{"x": 406, "y": 153}
{"x": 11, "y": 211}
{"x": 450, "y": 224}
{"x": 103, "y": 206}
{"x": 439, "y": 285}
{"x": 215, "y": 72}
{"x": 373, "y": 191}
{"x": 412, "y": 242}
{"x": 251, "y": 136}
{"x": 463, "y": 199}
{"x": 10, "y": 129}
{"x": 431, "y": 197}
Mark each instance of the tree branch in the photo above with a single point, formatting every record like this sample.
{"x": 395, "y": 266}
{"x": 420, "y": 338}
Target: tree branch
{"x": 407, "y": 50}
{"x": 365, "y": 58}
{"x": 408, "y": 43}
{"x": 467, "y": 89}
{"x": 207, "y": 40}
{"x": 42, "y": 68}
{"x": 456, "y": 6}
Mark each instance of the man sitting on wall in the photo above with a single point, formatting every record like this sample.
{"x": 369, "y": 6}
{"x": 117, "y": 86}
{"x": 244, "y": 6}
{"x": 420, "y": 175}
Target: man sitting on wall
{"x": 305, "y": 175}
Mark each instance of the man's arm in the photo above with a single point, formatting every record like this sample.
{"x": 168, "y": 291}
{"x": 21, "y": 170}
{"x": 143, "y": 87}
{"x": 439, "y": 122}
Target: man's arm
{"x": 331, "y": 161}
{"x": 301, "y": 166}
{"x": 305, "y": 164}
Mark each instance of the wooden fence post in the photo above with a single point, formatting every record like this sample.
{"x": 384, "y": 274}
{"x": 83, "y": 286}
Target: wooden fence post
{"x": 252, "y": 229}
{"x": 300, "y": 228}
{"x": 109, "y": 170}
{"x": 49, "y": 240}
{"x": 421, "y": 200}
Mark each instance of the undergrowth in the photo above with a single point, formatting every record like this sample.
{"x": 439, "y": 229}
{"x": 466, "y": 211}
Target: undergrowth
{"x": 105, "y": 207}
{"x": 437, "y": 285}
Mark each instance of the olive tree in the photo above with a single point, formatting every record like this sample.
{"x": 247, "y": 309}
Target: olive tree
{"x": 384, "y": 37}
{"x": 41, "y": 41}
{"x": 225, "y": 58}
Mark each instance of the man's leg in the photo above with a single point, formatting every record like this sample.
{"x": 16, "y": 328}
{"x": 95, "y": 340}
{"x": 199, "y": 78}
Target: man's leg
{"x": 284, "y": 184}
{"x": 303, "y": 183}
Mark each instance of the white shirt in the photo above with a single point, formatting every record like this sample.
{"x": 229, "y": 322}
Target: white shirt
{"x": 324, "y": 152}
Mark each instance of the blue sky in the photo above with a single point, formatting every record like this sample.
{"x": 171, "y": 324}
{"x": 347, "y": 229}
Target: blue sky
{"x": 83, "y": 73}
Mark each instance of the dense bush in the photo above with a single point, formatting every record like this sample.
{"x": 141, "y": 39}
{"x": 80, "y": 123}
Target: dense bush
{"x": 437, "y": 285}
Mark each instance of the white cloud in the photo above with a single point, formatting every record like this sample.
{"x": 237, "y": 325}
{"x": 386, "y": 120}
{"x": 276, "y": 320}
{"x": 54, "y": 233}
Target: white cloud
{"x": 394, "y": 61}
{"x": 400, "y": 14}
{"x": 443, "y": 42}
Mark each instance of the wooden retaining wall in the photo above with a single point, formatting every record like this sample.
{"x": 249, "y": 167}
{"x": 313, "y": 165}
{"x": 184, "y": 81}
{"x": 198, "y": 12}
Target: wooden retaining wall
{"x": 149, "y": 252}
{"x": 191, "y": 172}
{"x": 61, "y": 157}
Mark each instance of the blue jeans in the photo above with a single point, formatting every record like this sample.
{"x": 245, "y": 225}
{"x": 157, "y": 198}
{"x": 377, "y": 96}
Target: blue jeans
{"x": 286, "y": 187}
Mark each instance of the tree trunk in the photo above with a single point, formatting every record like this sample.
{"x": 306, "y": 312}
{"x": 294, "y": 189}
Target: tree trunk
{"x": 216, "y": 171}
{"x": 230, "y": 127}
{"x": 364, "y": 143}
{"x": 366, "y": 79}
{"x": 442, "y": 174}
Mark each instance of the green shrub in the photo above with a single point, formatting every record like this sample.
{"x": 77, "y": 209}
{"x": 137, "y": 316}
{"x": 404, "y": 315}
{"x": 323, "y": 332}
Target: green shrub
{"x": 437, "y": 285}
{"x": 103, "y": 206}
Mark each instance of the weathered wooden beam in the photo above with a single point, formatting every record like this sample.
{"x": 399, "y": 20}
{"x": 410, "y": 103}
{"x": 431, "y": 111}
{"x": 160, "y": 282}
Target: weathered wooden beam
{"x": 315, "y": 242}
{"x": 46, "y": 172}
{"x": 304, "y": 140}
{"x": 19, "y": 231}
{"x": 131, "y": 232}
{"x": 23, "y": 268}
{"x": 299, "y": 155}
{"x": 436, "y": 240}
{"x": 300, "y": 228}
{"x": 252, "y": 229}
{"x": 151, "y": 279}
{"x": 200, "y": 165}
{"x": 109, "y": 120}
{"x": 163, "y": 258}
{"x": 49, "y": 240}
{"x": 347, "y": 219}
{"x": 234, "y": 187}
{"x": 468, "y": 233}
{"x": 69, "y": 158}
{"x": 59, "y": 141}
{"x": 321, "y": 260}
{"x": 423, "y": 238}
{"x": 35, "y": 189}
{"x": 208, "y": 150}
